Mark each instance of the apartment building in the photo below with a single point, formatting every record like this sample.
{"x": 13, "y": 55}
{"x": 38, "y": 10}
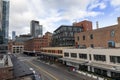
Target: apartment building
{"x": 64, "y": 36}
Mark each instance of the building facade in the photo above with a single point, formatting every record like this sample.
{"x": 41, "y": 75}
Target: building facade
{"x": 0, "y": 15}
{"x": 4, "y": 25}
{"x": 34, "y": 45}
{"x": 87, "y": 25}
{"x": 13, "y": 35}
{"x": 17, "y": 49}
{"x": 103, "y": 62}
{"x": 5, "y": 21}
{"x": 51, "y": 53}
{"x": 22, "y": 38}
{"x": 36, "y": 29}
{"x": 64, "y": 35}
{"x": 1, "y": 38}
{"x": 101, "y": 37}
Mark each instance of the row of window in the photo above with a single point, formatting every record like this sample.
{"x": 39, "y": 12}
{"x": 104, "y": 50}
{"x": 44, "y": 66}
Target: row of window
{"x": 74, "y": 55}
{"x": 113, "y": 59}
{"x": 84, "y": 38}
{"x": 112, "y": 34}
{"x": 52, "y": 51}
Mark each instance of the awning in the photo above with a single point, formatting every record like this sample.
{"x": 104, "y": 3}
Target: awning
{"x": 105, "y": 66}
{"x": 74, "y": 61}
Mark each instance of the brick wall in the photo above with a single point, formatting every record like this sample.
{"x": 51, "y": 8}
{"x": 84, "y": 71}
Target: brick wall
{"x": 87, "y": 25}
{"x": 101, "y": 37}
{"x": 6, "y": 73}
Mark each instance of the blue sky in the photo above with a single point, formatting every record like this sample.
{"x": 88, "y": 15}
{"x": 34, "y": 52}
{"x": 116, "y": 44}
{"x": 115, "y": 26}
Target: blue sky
{"x": 53, "y": 13}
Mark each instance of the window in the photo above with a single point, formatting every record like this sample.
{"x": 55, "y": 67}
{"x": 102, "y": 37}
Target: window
{"x": 77, "y": 38}
{"x": 100, "y": 57}
{"x": 83, "y": 37}
{"x": 83, "y": 56}
{"x": 91, "y": 36}
{"x": 115, "y": 75}
{"x": 92, "y": 45}
{"x": 112, "y": 59}
{"x": 74, "y": 55}
{"x": 59, "y": 51}
{"x": 115, "y": 59}
{"x": 66, "y": 54}
{"x": 111, "y": 44}
{"x": 112, "y": 33}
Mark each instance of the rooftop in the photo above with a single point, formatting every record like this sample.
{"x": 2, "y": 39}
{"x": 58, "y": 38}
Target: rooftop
{"x": 5, "y": 61}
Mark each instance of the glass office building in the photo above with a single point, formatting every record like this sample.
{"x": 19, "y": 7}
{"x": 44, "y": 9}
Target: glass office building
{"x": 4, "y": 25}
{"x": 5, "y": 21}
{"x": 36, "y": 29}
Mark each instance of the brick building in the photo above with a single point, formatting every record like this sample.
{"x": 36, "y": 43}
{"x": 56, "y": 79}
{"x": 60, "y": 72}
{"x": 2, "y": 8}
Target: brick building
{"x": 35, "y": 44}
{"x": 101, "y": 37}
{"x": 87, "y": 25}
{"x": 64, "y": 35}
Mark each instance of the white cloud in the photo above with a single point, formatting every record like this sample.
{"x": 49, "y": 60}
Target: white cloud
{"x": 115, "y": 2}
{"x": 97, "y": 3}
{"x": 47, "y": 12}
{"x": 102, "y": 6}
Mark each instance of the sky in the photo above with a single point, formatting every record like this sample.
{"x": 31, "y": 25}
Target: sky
{"x": 53, "y": 13}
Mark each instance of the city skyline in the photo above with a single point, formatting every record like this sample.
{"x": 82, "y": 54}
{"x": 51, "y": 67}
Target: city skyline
{"x": 52, "y": 14}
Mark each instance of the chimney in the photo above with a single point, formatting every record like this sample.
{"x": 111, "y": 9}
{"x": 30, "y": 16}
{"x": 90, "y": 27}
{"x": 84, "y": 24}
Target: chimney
{"x": 97, "y": 26}
{"x": 118, "y": 20}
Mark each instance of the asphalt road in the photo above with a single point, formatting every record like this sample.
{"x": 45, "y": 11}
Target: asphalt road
{"x": 50, "y": 72}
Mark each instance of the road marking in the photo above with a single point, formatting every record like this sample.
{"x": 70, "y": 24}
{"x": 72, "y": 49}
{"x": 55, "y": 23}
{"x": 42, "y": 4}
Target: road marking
{"x": 43, "y": 70}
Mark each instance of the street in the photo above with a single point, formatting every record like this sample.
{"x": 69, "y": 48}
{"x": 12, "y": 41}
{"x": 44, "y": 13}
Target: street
{"x": 50, "y": 72}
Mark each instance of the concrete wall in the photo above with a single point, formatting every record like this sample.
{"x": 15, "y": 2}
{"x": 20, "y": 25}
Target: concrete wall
{"x": 106, "y": 52}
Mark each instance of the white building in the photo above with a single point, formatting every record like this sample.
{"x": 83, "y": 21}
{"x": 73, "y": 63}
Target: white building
{"x": 17, "y": 48}
{"x": 104, "y": 62}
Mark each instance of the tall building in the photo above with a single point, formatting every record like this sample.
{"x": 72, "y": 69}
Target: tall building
{"x": 13, "y": 35}
{"x": 5, "y": 21}
{"x": 6, "y": 66}
{"x": 36, "y": 29}
{"x": 4, "y": 24}
{"x": 1, "y": 22}
{"x": 0, "y": 15}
